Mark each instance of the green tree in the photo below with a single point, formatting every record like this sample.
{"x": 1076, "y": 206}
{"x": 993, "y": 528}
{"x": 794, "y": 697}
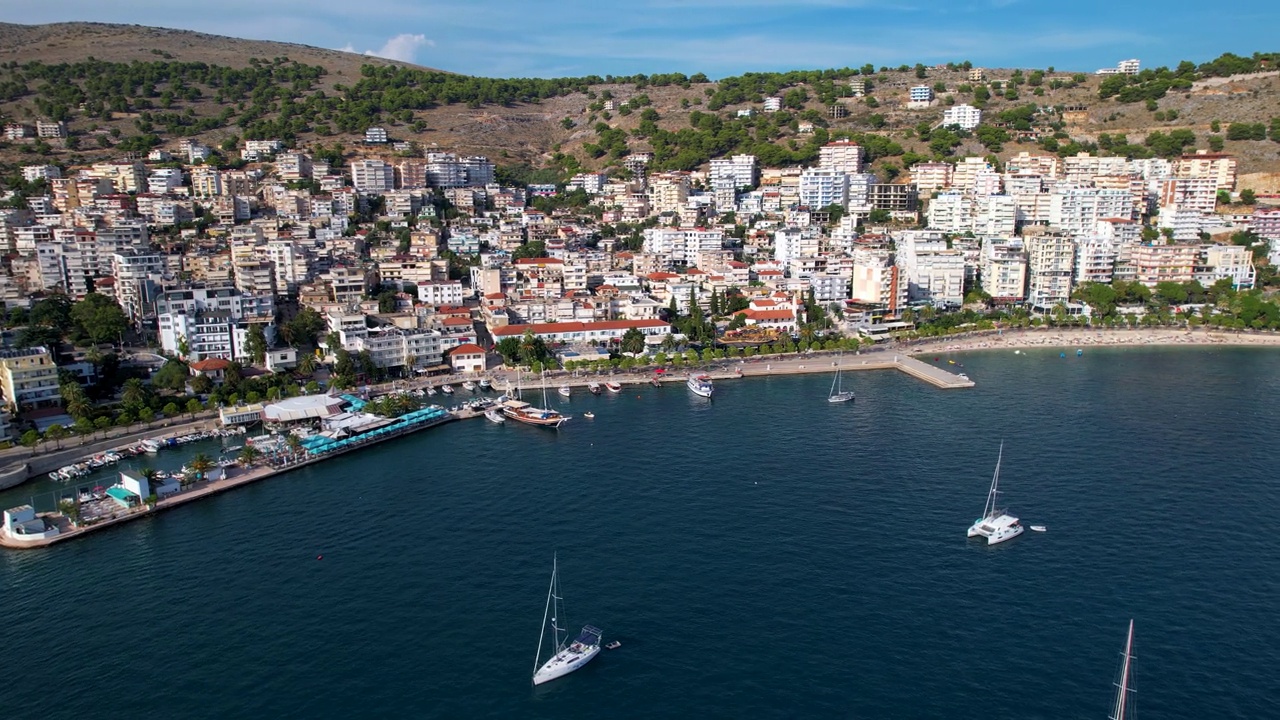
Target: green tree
{"x": 201, "y": 464}
{"x": 99, "y": 318}
{"x": 146, "y": 414}
{"x": 255, "y": 344}
{"x": 304, "y": 328}
{"x": 194, "y": 406}
{"x": 170, "y": 410}
{"x": 172, "y": 376}
{"x": 249, "y": 455}
{"x": 134, "y": 395}
{"x": 1248, "y": 196}
{"x": 56, "y": 433}
{"x": 201, "y": 384}
{"x": 29, "y": 438}
{"x": 75, "y": 401}
{"x": 101, "y": 423}
{"x": 633, "y": 341}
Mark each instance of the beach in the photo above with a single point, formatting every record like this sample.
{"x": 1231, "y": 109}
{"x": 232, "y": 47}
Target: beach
{"x": 1088, "y": 337}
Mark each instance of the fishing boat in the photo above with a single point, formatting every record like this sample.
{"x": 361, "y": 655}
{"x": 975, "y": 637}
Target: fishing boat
{"x": 485, "y": 384}
{"x": 613, "y": 387}
{"x": 469, "y": 386}
{"x": 446, "y": 389}
{"x": 701, "y": 385}
{"x": 495, "y": 416}
{"x": 838, "y": 394}
{"x": 1124, "y": 686}
{"x": 526, "y": 413}
{"x": 565, "y": 658}
{"x": 594, "y": 387}
{"x": 564, "y": 390}
{"x": 995, "y": 525}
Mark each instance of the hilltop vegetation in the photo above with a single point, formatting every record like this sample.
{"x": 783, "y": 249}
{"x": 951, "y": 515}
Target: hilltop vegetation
{"x": 562, "y": 125}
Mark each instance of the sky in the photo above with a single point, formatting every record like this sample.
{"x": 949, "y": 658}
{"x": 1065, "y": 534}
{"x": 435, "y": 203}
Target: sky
{"x": 512, "y": 38}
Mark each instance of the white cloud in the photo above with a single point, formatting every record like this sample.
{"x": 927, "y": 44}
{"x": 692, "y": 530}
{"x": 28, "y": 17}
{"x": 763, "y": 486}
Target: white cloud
{"x": 403, "y": 47}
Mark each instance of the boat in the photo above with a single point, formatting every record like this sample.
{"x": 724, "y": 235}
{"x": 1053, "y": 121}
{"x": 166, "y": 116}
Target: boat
{"x": 995, "y": 525}
{"x": 564, "y": 390}
{"x": 469, "y": 386}
{"x": 495, "y": 416}
{"x": 588, "y": 414}
{"x": 446, "y": 389}
{"x": 151, "y": 447}
{"x": 526, "y": 413}
{"x": 485, "y": 384}
{"x": 1123, "y": 685}
{"x": 565, "y": 658}
{"x": 613, "y": 387}
{"x": 613, "y": 645}
{"x": 701, "y": 385}
{"x": 654, "y": 381}
{"x": 594, "y": 387}
{"x": 1038, "y": 528}
{"x": 838, "y": 393}
{"x": 431, "y": 391}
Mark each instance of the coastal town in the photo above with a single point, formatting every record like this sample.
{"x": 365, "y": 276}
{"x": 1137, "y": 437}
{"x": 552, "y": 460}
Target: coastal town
{"x": 264, "y": 281}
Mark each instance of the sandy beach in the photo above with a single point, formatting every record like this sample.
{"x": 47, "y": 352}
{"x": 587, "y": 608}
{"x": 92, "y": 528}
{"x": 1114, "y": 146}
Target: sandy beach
{"x": 1088, "y": 337}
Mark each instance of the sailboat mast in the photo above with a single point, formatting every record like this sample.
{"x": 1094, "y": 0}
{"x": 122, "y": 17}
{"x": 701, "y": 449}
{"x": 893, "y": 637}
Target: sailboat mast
{"x": 990, "y": 507}
{"x": 1122, "y": 695}
{"x": 551, "y": 591}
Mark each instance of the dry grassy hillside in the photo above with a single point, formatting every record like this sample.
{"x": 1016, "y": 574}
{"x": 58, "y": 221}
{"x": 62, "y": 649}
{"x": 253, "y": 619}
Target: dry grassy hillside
{"x": 533, "y": 132}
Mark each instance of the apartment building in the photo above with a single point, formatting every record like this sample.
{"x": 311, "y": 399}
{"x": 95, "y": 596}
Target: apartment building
{"x": 1227, "y": 262}
{"x": 1095, "y": 260}
{"x": 372, "y": 177}
{"x": 29, "y": 378}
{"x": 821, "y": 187}
{"x": 1196, "y": 194}
{"x": 1003, "y": 270}
{"x": 932, "y": 272}
{"x": 1154, "y": 264}
{"x": 1050, "y": 268}
{"x": 668, "y": 192}
{"x": 137, "y": 275}
{"x": 1077, "y": 210}
{"x": 1218, "y": 167}
{"x": 843, "y": 156}
{"x": 875, "y": 280}
{"x": 965, "y": 117}
{"x": 734, "y": 173}
{"x": 931, "y": 177}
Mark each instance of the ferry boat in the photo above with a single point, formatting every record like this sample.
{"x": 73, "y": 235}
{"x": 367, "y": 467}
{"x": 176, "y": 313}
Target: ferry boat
{"x": 469, "y": 386}
{"x": 700, "y": 385}
{"x": 594, "y": 387}
{"x": 995, "y": 525}
{"x": 613, "y": 387}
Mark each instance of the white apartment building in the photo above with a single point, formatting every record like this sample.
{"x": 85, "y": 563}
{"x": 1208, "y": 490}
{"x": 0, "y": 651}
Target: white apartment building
{"x": 227, "y": 300}
{"x": 138, "y": 276}
{"x": 1083, "y": 168}
{"x": 995, "y": 215}
{"x": 1025, "y": 162}
{"x": 1003, "y": 270}
{"x": 448, "y": 170}
{"x": 370, "y": 176}
{"x": 1050, "y": 265}
{"x": 965, "y": 117}
{"x": 790, "y": 243}
{"x": 1077, "y": 210}
{"x": 393, "y": 347}
{"x": 1234, "y": 262}
{"x": 1197, "y": 194}
{"x": 966, "y": 173}
{"x": 681, "y": 246}
{"x": 1095, "y": 260}
{"x": 829, "y": 287}
{"x": 843, "y": 156}
{"x": 920, "y": 94}
{"x": 931, "y": 271}
{"x": 668, "y": 192}
{"x": 734, "y": 173}
{"x": 33, "y": 173}
{"x": 447, "y": 292}
{"x": 1217, "y": 166}
{"x": 931, "y": 177}
{"x": 772, "y": 104}
{"x": 820, "y": 187}
{"x": 951, "y": 212}
{"x": 203, "y": 335}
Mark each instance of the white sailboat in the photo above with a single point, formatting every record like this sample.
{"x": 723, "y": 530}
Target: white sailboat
{"x": 838, "y": 393}
{"x": 995, "y": 525}
{"x": 1124, "y": 686}
{"x": 565, "y": 658}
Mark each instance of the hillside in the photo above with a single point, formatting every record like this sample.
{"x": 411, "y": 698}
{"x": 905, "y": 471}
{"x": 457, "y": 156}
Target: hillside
{"x": 219, "y": 89}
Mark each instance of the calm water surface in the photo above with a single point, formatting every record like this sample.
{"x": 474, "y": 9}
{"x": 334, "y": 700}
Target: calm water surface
{"x": 764, "y": 555}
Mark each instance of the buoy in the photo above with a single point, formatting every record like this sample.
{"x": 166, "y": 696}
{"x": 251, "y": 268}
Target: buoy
{"x": 319, "y": 557}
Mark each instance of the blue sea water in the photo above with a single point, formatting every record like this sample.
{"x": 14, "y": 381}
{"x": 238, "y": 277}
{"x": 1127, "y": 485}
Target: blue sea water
{"x": 763, "y": 555}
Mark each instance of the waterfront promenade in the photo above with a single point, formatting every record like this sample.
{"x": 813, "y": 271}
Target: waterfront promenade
{"x": 235, "y": 477}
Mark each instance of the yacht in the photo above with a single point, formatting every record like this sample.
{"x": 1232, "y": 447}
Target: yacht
{"x": 701, "y": 385}
{"x": 565, "y": 658}
{"x": 523, "y": 412}
{"x": 995, "y": 525}
{"x": 565, "y": 391}
{"x": 594, "y": 387}
{"x": 838, "y": 394}
{"x": 613, "y": 387}
{"x": 1124, "y": 686}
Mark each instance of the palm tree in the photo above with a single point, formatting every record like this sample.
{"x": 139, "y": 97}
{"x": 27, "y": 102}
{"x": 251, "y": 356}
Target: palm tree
{"x": 201, "y": 464}
{"x": 150, "y": 474}
{"x": 134, "y": 393}
{"x": 249, "y": 455}
{"x": 295, "y": 444}
{"x": 77, "y": 403}
{"x": 307, "y": 364}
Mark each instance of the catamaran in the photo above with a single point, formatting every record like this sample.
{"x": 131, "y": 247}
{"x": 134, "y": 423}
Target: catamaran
{"x": 995, "y": 525}
{"x": 701, "y": 385}
{"x": 521, "y": 411}
{"x": 1124, "y": 685}
{"x": 838, "y": 393}
{"x": 564, "y": 658}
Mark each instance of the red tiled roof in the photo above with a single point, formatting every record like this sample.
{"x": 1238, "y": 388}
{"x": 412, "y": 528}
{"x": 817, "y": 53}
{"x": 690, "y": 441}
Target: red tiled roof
{"x": 547, "y": 328}
{"x": 661, "y": 276}
{"x": 468, "y": 349}
{"x": 457, "y": 321}
{"x": 494, "y": 296}
{"x": 769, "y": 314}
{"x": 210, "y": 364}
{"x": 539, "y": 261}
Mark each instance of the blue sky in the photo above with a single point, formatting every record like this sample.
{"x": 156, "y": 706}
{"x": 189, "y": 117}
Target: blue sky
{"x": 509, "y": 38}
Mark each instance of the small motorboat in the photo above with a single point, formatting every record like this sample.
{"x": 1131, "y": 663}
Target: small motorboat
{"x": 485, "y": 384}
{"x": 446, "y": 389}
{"x": 588, "y": 414}
{"x": 431, "y": 391}
{"x": 495, "y": 416}
{"x": 1038, "y": 528}
{"x": 613, "y": 387}
{"x": 565, "y": 391}
{"x": 613, "y": 645}
{"x": 594, "y": 387}
{"x": 469, "y": 386}
{"x": 655, "y": 381}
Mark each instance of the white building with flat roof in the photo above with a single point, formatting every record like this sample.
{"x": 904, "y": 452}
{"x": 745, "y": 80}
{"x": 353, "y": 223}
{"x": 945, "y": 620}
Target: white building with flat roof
{"x": 1051, "y": 266}
{"x": 931, "y": 271}
{"x": 1003, "y": 269}
{"x": 965, "y": 117}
